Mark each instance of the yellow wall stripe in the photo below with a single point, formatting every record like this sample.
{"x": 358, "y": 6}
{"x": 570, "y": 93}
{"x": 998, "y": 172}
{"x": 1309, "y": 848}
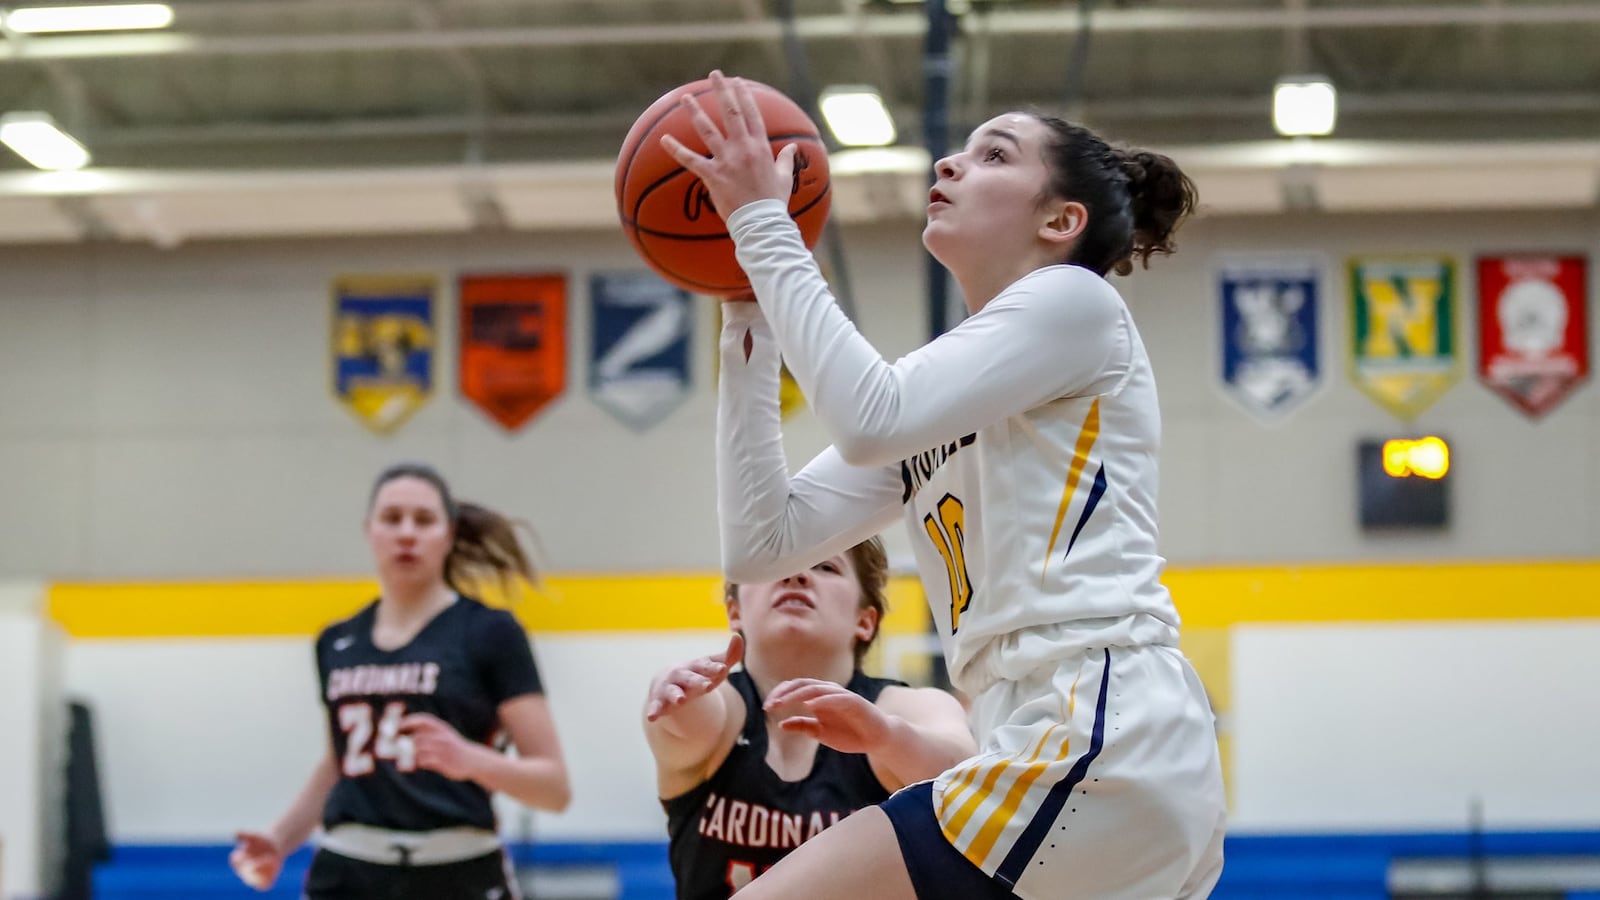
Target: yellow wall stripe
{"x": 1420, "y": 592}
{"x": 577, "y": 603}
{"x": 1080, "y": 458}
{"x": 1207, "y": 598}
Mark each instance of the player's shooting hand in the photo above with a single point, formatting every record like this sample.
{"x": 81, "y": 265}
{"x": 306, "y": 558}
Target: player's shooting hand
{"x": 438, "y": 747}
{"x": 740, "y": 168}
{"x": 695, "y": 678}
{"x": 831, "y": 713}
{"x": 256, "y": 859}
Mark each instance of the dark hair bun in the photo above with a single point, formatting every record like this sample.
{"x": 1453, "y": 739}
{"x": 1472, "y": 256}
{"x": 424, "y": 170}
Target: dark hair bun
{"x": 1162, "y": 197}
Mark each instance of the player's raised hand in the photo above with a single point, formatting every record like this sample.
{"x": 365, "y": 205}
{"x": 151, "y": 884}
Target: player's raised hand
{"x": 741, "y": 167}
{"x": 831, "y": 713}
{"x": 695, "y": 678}
{"x": 256, "y": 859}
{"x": 438, "y": 747}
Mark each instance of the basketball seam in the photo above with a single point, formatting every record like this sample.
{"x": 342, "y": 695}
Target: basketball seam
{"x": 645, "y": 191}
{"x": 630, "y": 223}
{"x": 716, "y": 288}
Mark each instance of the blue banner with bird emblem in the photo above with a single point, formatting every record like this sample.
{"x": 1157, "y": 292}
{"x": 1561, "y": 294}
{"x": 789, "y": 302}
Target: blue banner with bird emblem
{"x": 1271, "y": 358}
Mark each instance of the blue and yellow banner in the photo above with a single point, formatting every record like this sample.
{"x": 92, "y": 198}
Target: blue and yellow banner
{"x": 383, "y": 346}
{"x": 1403, "y": 331}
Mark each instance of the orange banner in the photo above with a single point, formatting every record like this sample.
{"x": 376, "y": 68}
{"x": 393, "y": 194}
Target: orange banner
{"x": 513, "y": 344}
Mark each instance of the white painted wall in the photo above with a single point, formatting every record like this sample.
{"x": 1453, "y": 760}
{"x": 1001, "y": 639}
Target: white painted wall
{"x": 171, "y": 411}
{"x": 201, "y": 738}
{"x": 1400, "y": 727}
{"x": 167, "y": 415}
{"x": 32, "y": 744}
{"x": 1374, "y": 727}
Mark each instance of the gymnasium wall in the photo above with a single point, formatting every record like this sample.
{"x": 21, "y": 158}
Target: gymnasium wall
{"x": 176, "y": 466}
{"x": 1353, "y": 697}
{"x": 172, "y": 412}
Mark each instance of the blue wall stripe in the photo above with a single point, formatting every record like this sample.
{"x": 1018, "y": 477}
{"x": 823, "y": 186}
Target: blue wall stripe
{"x": 1333, "y": 866}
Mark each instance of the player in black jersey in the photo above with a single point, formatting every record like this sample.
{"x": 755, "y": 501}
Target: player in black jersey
{"x": 420, "y": 688}
{"x": 752, "y": 762}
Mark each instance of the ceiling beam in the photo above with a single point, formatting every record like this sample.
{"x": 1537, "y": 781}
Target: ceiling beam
{"x": 907, "y": 26}
{"x": 1110, "y": 109}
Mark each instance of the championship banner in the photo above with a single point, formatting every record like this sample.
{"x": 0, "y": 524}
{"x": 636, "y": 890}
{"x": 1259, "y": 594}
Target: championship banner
{"x": 513, "y": 344}
{"x": 639, "y": 347}
{"x": 790, "y": 397}
{"x": 1402, "y": 331}
{"x": 1271, "y": 360}
{"x": 383, "y": 346}
{"x": 1533, "y": 334}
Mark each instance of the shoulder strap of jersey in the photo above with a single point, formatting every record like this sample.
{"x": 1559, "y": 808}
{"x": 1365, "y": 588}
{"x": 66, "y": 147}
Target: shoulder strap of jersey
{"x": 870, "y": 687}
{"x": 755, "y": 718}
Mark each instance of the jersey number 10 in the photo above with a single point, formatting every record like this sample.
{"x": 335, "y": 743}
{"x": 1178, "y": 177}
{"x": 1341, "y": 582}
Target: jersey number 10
{"x": 949, "y": 534}
{"x": 355, "y": 720}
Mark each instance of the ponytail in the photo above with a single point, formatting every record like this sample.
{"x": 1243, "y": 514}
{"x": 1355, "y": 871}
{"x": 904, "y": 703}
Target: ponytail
{"x": 1161, "y": 197}
{"x": 486, "y": 549}
{"x": 1136, "y": 198}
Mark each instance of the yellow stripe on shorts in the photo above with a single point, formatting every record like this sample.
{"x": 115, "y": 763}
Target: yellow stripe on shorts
{"x": 1030, "y": 772}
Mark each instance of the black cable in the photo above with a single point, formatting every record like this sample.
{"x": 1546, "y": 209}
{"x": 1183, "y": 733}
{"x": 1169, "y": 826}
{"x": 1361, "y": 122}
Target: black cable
{"x": 1078, "y": 61}
{"x": 804, "y": 92}
{"x": 936, "y": 137}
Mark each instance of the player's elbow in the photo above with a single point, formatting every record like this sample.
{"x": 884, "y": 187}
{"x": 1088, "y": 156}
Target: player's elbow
{"x": 743, "y": 561}
{"x": 739, "y": 570}
{"x": 861, "y": 448}
{"x": 560, "y": 796}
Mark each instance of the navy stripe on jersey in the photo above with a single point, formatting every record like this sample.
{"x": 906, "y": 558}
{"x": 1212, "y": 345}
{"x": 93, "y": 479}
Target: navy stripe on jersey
{"x": 1095, "y": 493}
{"x": 1028, "y": 843}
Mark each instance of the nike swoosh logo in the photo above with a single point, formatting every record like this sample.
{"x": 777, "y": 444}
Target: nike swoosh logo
{"x": 344, "y": 642}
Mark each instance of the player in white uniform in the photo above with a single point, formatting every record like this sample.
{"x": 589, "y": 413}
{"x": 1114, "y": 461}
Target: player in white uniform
{"x": 1021, "y": 447}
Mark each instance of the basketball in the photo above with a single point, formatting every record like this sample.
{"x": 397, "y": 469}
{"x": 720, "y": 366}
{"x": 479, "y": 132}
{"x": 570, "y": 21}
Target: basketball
{"x": 667, "y": 212}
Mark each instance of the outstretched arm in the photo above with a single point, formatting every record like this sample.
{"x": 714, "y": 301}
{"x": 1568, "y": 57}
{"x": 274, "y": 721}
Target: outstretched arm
{"x": 1057, "y": 332}
{"x": 909, "y": 735}
{"x": 773, "y": 525}
{"x": 691, "y": 718}
{"x": 1060, "y": 331}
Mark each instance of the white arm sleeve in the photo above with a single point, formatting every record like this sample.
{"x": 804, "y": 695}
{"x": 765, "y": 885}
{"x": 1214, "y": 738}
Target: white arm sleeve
{"x": 773, "y": 526}
{"x": 1059, "y": 331}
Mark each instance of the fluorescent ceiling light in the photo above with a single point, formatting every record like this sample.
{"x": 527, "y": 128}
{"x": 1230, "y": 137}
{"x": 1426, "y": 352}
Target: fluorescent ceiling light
{"x": 1304, "y": 105}
{"x": 35, "y": 137}
{"x": 857, "y": 116}
{"x": 113, "y": 17}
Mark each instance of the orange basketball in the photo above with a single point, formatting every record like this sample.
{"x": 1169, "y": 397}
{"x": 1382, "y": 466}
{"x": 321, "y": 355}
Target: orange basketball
{"x": 667, "y": 212}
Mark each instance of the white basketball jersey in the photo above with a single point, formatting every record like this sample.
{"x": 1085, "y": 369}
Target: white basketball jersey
{"x": 1021, "y": 448}
{"x": 1042, "y": 526}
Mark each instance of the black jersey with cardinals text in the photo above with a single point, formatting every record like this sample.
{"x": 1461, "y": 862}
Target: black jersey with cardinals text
{"x": 460, "y": 667}
{"x": 744, "y": 818}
